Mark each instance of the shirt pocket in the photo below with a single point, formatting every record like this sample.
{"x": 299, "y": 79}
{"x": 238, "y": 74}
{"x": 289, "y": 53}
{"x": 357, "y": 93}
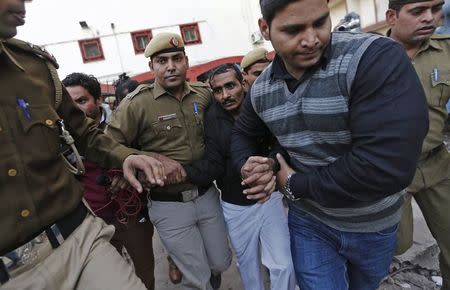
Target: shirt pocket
{"x": 40, "y": 128}
{"x": 170, "y": 130}
{"x": 440, "y": 88}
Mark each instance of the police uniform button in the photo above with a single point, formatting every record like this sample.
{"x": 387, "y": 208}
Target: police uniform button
{"x": 168, "y": 127}
{"x": 12, "y": 172}
{"x": 49, "y": 122}
{"x": 25, "y": 213}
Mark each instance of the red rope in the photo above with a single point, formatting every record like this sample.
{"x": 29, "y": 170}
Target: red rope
{"x": 127, "y": 200}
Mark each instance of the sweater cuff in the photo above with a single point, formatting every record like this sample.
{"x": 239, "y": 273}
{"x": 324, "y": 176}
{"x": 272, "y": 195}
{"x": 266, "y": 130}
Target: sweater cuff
{"x": 298, "y": 185}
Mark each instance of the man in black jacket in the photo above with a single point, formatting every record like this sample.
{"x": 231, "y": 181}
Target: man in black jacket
{"x": 249, "y": 223}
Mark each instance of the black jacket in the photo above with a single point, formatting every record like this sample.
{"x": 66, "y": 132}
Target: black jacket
{"x": 216, "y": 163}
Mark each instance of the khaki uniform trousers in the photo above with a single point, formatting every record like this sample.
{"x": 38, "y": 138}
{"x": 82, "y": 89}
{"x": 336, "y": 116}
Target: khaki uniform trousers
{"x": 431, "y": 190}
{"x": 195, "y": 237}
{"x": 85, "y": 260}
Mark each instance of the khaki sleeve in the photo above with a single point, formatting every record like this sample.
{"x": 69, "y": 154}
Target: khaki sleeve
{"x": 90, "y": 141}
{"x": 124, "y": 125}
{"x": 209, "y": 96}
{"x": 206, "y": 93}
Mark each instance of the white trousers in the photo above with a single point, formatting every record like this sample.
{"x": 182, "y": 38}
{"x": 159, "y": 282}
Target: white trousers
{"x": 261, "y": 228}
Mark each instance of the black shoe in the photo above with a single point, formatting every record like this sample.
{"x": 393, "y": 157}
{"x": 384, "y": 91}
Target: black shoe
{"x": 215, "y": 281}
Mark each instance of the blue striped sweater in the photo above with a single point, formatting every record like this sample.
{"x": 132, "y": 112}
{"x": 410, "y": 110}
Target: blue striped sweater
{"x": 312, "y": 124}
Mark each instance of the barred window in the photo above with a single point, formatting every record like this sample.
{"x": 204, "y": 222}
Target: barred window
{"x": 91, "y": 50}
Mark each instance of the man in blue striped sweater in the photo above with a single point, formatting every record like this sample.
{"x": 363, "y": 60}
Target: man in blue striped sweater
{"x": 350, "y": 111}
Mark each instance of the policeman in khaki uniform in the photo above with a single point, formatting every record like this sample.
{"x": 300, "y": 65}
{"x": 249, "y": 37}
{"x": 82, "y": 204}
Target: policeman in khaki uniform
{"x": 40, "y": 200}
{"x": 253, "y": 64}
{"x": 412, "y": 24}
{"x": 165, "y": 120}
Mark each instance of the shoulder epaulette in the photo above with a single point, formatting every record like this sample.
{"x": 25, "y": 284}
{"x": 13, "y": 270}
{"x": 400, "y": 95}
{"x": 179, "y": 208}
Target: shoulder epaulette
{"x": 199, "y": 84}
{"x": 138, "y": 89}
{"x": 35, "y": 49}
{"x": 201, "y": 89}
{"x": 440, "y": 36}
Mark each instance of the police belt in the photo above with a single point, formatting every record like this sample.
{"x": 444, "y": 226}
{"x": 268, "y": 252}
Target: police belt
{"x": 184, "y": 196}
{"x": 56, "y": 234}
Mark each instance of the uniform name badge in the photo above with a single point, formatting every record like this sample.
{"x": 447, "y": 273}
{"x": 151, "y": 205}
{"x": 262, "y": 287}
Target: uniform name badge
{"x": 167, "y": 117}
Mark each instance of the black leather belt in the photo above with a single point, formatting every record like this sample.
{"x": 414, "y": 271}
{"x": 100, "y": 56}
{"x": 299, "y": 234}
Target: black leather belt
{"x": 56, "y": 234}
{"x": 184, "y": 196}
{"x": 65, "y": 226}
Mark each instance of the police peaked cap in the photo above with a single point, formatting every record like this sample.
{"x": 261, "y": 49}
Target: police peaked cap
{"x": 164, "y": 42}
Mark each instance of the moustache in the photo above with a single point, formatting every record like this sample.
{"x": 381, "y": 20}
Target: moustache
{"x": 227, "y": 102}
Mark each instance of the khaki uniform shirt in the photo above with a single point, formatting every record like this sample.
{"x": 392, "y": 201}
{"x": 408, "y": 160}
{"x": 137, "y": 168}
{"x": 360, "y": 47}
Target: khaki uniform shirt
{"x": 152, "y": 120}
{"x": 35, "y": 187}
{"x": 432, "y": 63}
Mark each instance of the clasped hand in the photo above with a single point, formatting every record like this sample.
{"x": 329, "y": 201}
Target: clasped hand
{"x": 258, "y": 176}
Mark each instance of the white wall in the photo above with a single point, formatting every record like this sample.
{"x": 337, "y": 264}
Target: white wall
{"x": 338, "y": 12}
{"x": 382, "y": 6}
{"x": 367, "y": 12}
{"x": 225, "y": 28}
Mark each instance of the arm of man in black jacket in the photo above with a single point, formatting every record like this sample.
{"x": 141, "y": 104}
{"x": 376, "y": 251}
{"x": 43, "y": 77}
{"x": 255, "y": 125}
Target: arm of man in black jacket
{"x": 213, "y": 164}
{"x": 388, "y": 120}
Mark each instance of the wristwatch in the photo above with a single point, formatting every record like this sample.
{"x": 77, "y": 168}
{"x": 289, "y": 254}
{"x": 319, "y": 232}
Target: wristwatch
{"x": 287, "y": 189}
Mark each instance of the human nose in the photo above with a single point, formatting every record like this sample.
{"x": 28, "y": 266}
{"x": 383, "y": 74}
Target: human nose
{"x": 170, "y": 65}
{"x": 428, "y": 16}
{"x": 226, "y": 93}
{"x": 309, "y": 38}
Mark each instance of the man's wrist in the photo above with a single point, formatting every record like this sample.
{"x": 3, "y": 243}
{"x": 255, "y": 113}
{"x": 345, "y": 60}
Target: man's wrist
{"x": 276, "y": 166}
{"x": 154, "y": 155}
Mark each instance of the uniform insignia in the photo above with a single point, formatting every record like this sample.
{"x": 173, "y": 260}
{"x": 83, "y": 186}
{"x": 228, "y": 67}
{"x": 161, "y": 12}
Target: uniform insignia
{"x": 167, "y": 117}
{"x": 35, "y": 49}
{"x": 199, "y": 84}
{"x": 174, "y": 42}
{"x": 44, "y": 52}
{"x": 139, "y": 89}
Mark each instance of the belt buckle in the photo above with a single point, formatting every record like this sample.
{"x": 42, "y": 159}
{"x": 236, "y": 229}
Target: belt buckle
{"x": 23, "y": 256}
{"x": 189, "y": 195}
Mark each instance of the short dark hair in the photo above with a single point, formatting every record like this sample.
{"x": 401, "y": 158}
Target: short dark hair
{"x": 89, "y": 82}
{"x": 395, "y": 6}
{"x": 168, "y": 50}
{"x": 124, "y": 82}
{"x": 225, "y": 68}
{"x": 269, "y": 8}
